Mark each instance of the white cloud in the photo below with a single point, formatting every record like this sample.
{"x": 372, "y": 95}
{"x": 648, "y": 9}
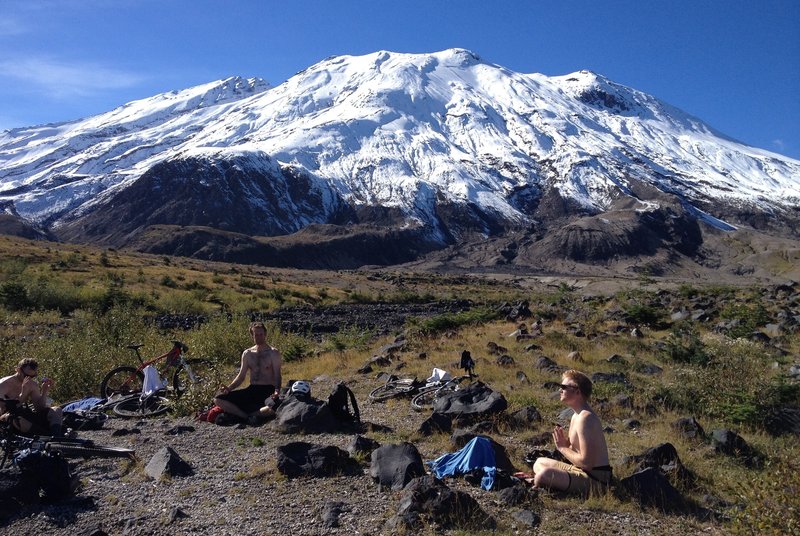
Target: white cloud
{"x": 63, "y": 79}
{"x": 779, "y": 144}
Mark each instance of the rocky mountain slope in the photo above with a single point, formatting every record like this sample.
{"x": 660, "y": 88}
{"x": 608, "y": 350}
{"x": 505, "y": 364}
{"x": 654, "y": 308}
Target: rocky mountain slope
{"x": 444, "y": 146}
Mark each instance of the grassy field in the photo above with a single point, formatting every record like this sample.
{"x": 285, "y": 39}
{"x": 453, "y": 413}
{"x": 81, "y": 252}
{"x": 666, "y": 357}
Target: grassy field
{"x": 75, "y": 308}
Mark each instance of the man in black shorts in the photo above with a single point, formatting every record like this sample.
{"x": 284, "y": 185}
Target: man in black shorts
{"x": 263, "y": 363}
{"x": 23, "y": 402}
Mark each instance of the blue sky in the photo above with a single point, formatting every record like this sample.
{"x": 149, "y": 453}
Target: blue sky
{"x": 733, "y": 63}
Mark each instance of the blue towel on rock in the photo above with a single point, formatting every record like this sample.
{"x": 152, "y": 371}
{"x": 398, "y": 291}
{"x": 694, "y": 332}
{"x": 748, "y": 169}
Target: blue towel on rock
{"x": 478, "y": 453}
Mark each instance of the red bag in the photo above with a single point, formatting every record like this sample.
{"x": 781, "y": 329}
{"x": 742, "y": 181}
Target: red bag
{"x": 209, "y": 415}
{"x": 213, "y": 413}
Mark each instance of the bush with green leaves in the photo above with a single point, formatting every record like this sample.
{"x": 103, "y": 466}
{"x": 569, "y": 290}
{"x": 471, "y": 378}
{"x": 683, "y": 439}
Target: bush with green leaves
{"x": 451, "y": 321}
{"x": 750, "y": 317}
{"x": 683, "y": 345}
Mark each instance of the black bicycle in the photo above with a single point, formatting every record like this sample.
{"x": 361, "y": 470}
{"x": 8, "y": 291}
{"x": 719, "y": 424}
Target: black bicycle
{"x": 12, "y": 442}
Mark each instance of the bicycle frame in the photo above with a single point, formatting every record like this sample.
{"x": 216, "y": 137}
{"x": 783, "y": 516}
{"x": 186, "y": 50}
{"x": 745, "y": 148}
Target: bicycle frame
{"x": 173, "y": 358}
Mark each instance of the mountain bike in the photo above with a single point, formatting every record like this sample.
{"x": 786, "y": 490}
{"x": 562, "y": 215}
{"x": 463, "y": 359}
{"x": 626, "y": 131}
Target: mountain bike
{"x": 124, "y": 384}
{"x": 427, "y": 397}
{"x": 12, "y": 442}
{"x": 395, "y": 389}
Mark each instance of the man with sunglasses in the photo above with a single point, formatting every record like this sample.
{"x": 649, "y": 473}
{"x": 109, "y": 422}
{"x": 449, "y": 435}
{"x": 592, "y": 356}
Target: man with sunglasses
{"x": 23, "y": 402}
{"x": 584, "y": 446}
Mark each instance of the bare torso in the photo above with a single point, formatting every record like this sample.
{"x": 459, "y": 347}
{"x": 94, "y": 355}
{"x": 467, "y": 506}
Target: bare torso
{"x": 264, "y": 364}
{"x": 587, "y": 426}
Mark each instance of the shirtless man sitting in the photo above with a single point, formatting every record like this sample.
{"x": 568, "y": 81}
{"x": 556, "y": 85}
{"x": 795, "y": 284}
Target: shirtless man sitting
{"x": 585, "y": 447}
{"x": 263, "y": 363}
{"x": 24, "y": 403}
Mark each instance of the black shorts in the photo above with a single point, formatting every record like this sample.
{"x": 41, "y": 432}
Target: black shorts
{"x": 249, "y": 399}
{"x": 36, "y": 416}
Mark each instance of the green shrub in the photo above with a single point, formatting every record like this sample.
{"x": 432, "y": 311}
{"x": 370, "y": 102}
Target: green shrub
{"x": 451, "y": 321}
{"x": 683, "y": 345}
{"x": 769, "y": 500}
{"x": 646, "y": 315}
{"x": 750, "y": 317}
{"x": 248, "y": 282}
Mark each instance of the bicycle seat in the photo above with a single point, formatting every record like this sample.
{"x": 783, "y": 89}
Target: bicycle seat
{"x": 134, "y": 346}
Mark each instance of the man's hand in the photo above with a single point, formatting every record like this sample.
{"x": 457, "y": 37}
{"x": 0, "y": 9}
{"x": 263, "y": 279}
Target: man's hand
{"x": 47, "y": 383}
{"x": 560, "y": 438}
{"x": 276, "y": 394}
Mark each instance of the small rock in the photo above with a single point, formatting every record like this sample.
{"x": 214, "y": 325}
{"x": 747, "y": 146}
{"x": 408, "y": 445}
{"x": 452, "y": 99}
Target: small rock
{"x": 167, "y": 462}
{"x": 176, "y": 513}
{"x": 631, "y": 424}
{"x": 527, "y": 518}
{"x": 178, "y": 430}
{"x": 522, "y": 377}
{"x": 575, "y": 356}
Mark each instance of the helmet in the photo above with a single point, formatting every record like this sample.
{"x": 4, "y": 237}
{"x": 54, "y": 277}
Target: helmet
{"x": 300, "y": 387}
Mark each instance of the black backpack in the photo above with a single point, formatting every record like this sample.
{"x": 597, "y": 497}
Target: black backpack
{"x": 47, "y": 469}
{"x": 343, "y": 405}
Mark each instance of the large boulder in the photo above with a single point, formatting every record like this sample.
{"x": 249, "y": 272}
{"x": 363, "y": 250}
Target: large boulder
{"x": 732, "y": 444}
{"x": 476, "y": 400}
{"x": 304, "y": 416}
{"x": 167, "y": 462}
{"x": 649, "y": 487}
{"x": 306, "y": 459}
{"x": 427, "y": 501}
{"x": 784, "y": 420}
{"x": 394, "y": 466}
{"x": 663, "y": 458}
{"x": 460, "y": 438}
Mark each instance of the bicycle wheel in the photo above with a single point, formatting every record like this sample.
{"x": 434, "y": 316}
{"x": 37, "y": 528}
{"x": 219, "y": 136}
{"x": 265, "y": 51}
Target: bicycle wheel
{"x": 193, "y": 372}
{"x": 392, "y": 390}
{"x": 122, "y": 381}
{"x": 70, "y": 450}
{"x": 425, "y": 398}
{"x": 133, "y": 407}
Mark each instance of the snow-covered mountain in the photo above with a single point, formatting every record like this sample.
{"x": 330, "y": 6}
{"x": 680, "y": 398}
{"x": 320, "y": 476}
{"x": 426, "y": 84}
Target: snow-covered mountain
{"x": 444, "y": 141}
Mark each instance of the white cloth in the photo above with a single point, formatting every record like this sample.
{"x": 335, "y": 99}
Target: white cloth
{"x": 152, "y": 381}
{"x": 439, "y": 376}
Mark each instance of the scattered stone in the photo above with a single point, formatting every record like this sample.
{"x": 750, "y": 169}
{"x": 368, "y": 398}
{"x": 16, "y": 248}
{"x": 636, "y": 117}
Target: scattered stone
{"x": 304, "y": 416}
{"x": 461, "y": 437}
{"x": 636, "y": 333}
{"x": 527, "y": 518}
{"x": 436, "y": 423}
{"x": 175, "y": 514}
{"x": 394, "y": 466}
{"x": 785, "y": 420}
{"x": 366, "y": 369}
{"x": 167, "y": 462}
{"x": 609, "y": 377}
{"x": 575, "y": 356}
{"x": 632, "y": 424}
{"x": 429, "y": 500}
{"x": 732, "y": 444}
{"x": 505, "y": 360}
{"x": 794, "y": 371}
{"x": 616, "y": 359}
{"x": 758, "y": 336}
{"x": 306, "y": 459}
{"x": 679, "y": 316}
{"x": 519, "y": 494}
{"x": 125, "y": 431}
{"x": 522, "y": 377}
{"x": 650, "y": 369}
{"x": 178, "y": 430}
{"x": 623, "y": 401}
{"x": 545, "y": 363}
{"x": 533, "y": 348}
{"x": 526, "y": 417}
{"x": 331, "y": 512}
{"x": 651, "y": 488}
{"x": 361, "y": 445}
{"x": 689, "y": 428}
{"x": 477, "y": 399}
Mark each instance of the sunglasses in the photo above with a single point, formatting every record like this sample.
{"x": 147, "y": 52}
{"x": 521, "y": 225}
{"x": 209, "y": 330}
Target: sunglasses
{"x": 33, "y": 367}
{"x": 565, "y": 387}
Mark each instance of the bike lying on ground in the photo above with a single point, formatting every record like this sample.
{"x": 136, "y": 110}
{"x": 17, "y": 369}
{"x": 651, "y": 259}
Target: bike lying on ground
{"x": 403, "y": 387}
{"x": 12, "y": 442}
{"x": 123, "y": 386}
{"x": 427, "y": 396}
